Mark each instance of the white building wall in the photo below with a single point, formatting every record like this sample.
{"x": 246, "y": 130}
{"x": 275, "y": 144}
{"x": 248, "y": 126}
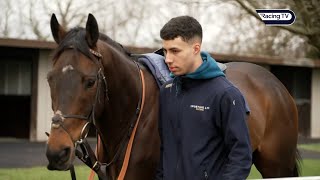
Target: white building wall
{"x": 44, "y": 111}
{"x": 315, "y": 103}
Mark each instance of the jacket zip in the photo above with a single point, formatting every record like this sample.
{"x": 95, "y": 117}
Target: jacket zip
{"x": 179, "y": 137}
{"x": 206, "y": 175}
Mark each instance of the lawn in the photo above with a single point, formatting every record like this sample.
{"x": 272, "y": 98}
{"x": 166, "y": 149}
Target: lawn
{"x": 41, "y": 173}
{"x": 309, "y": 167}
{"x": 312, "y": 147}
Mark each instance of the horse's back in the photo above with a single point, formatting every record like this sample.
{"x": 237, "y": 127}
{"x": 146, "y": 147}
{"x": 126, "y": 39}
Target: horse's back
{"x": 273, "y": 123}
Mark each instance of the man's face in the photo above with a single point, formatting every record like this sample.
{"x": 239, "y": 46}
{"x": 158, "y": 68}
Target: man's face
{"x": 180, "y": 55}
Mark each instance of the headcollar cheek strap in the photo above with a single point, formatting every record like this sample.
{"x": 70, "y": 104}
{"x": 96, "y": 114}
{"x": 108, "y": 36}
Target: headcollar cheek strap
{"x": 96, "y": 53}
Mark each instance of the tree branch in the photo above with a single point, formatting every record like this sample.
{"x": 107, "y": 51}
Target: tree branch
{"x": 292, "y": 28}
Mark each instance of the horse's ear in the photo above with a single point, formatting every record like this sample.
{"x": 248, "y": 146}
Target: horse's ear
{"x": 92, "y": 31}
{"x": 57, "y": 30}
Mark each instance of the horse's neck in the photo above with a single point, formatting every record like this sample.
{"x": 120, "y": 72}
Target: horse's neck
{"x": 124, "y": 88}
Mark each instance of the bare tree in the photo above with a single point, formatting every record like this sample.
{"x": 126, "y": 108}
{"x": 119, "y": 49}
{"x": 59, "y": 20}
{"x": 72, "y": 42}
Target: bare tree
{"x": 259, "y": 39}
{"x": 307, "y": 22}
{"x": 238, "y": 32}
{"x": 34, "y": 23}
{"x": 11, "y": 23}
{"x": 115, "y": 18}
{"x": 5, "y": 17}
{"x": 228, "y": 27}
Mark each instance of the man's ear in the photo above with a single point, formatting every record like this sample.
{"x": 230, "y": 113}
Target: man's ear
{"x": 196, "y": 48}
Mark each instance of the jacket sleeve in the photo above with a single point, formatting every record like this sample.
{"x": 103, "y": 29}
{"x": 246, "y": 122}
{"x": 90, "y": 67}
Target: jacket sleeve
{"x": 236, "y": 135}
{"x": 159, "y": 171}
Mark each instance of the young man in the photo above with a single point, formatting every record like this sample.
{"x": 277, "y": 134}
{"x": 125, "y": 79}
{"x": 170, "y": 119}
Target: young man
{"x": 202, "y": 122}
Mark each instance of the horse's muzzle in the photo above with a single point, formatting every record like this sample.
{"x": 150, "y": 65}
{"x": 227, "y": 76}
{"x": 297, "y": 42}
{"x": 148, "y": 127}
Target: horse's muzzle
{"x": 59, "y": 160}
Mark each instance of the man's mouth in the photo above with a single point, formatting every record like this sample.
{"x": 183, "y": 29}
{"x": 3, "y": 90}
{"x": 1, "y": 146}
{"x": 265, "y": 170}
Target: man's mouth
{"x": 172, "y": 69}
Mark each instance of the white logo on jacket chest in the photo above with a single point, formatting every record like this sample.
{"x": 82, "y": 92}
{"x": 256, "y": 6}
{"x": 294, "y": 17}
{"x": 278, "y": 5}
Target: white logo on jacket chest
{"x": 168, "y": 85}
{"x": 199, "y": 108}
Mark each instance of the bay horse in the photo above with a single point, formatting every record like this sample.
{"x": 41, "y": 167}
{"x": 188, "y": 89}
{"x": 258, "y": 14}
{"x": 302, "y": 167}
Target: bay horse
{"x": 93, "y": 80}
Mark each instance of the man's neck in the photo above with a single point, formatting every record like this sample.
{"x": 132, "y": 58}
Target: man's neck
{"x": 197, "y": 63}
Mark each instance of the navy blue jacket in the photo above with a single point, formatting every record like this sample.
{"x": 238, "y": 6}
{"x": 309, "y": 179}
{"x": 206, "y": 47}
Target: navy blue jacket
{"x": 203, "y": 130}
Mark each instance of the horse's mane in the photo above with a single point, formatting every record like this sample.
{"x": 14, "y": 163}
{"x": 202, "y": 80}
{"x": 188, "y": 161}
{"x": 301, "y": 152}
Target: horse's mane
{"x": 113, "y": 43}
{"x": 75, "y": 39}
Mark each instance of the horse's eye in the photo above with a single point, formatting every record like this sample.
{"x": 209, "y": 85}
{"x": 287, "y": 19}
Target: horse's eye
{"x": 90, "y": 83}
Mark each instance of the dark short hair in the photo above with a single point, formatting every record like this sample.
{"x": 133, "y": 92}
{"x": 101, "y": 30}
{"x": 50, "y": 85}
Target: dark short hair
{"x": 185, "y": 26}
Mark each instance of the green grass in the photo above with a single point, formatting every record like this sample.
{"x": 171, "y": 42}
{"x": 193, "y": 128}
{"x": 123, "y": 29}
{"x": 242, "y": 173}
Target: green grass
{"x": 310, "y": 167}
{"x": 254, "y": 173}
{"x": 41, "y": 173}
{"x": 312, "y": 147}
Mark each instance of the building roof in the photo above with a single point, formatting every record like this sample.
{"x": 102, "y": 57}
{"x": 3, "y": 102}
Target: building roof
{"x": 299, "y": 62}
{"x": 22, "y": 43}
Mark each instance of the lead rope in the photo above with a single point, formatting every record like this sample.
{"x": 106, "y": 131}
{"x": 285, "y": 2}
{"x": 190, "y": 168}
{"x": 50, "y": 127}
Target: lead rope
{"x": 92, "y": 173}
{"x": 128, "y": 151}
{"x": 129, "y": 148}
{"x": 72, "y": 173}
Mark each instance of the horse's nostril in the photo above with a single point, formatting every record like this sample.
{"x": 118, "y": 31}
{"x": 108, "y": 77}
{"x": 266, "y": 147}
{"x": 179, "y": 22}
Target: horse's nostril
{"x": 64, "y": 154}
{"x": 59, "y": 159}
{"x": 59, "y": 156}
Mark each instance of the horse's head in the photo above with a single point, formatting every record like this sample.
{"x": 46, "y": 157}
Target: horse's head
{"x": 77, "y": 89}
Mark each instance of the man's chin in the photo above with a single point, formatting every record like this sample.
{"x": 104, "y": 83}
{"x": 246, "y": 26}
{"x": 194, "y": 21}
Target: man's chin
{"x": 176, "y": 73}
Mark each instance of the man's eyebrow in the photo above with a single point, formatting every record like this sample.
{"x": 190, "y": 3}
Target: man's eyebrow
{"x": 172, "y": 48}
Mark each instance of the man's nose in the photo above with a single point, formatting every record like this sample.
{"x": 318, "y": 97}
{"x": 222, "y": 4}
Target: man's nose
{"x": 168, "y": 59}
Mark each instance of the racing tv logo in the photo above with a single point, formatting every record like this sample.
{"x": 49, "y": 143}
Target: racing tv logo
{"x": 276, "y": 17}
